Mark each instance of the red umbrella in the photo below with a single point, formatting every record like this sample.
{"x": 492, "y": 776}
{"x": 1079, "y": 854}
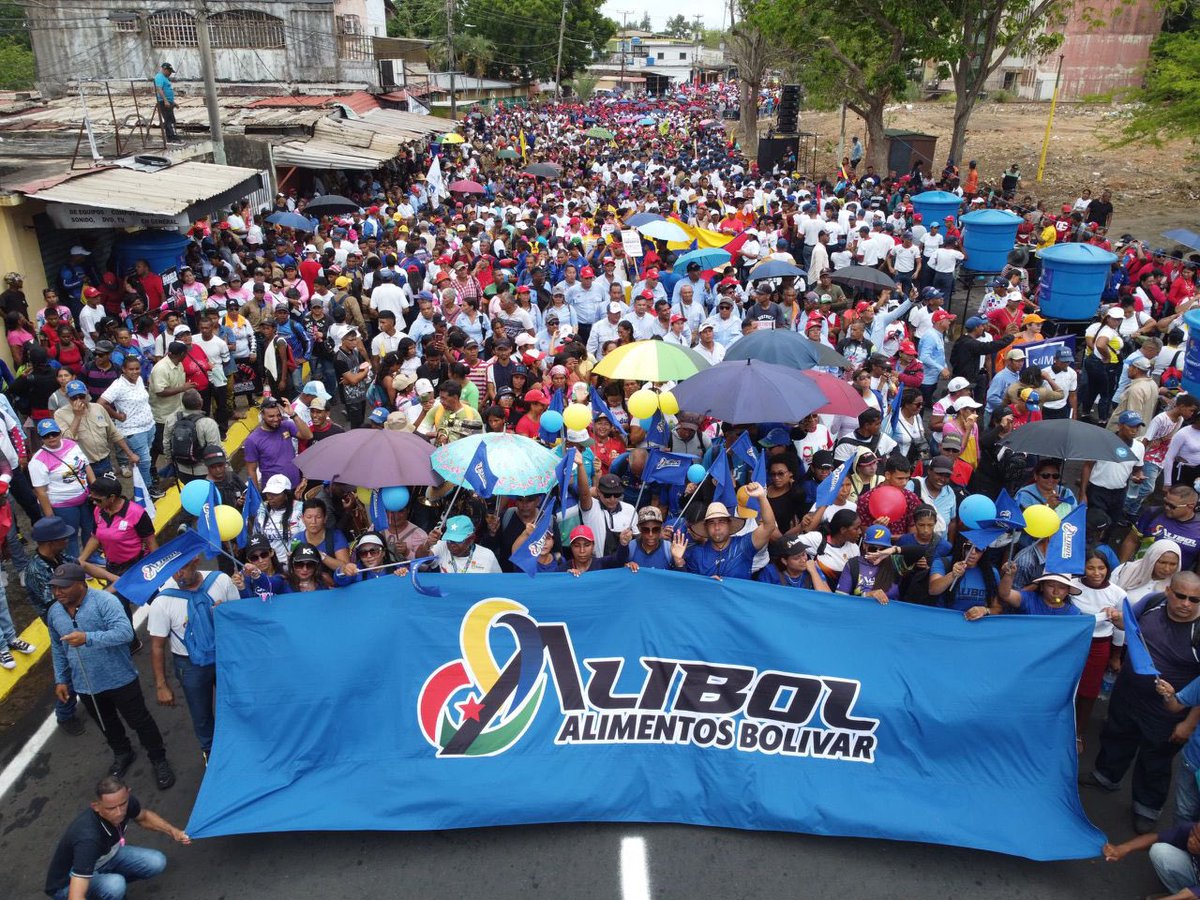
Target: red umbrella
{"x": 843, "y": 399}
{"x": 466, "y": 187}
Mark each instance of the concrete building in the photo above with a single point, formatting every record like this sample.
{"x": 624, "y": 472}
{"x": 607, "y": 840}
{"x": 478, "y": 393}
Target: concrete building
{"x": 638, "y": 59}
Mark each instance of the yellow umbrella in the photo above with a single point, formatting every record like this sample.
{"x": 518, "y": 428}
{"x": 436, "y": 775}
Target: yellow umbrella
{"x": 651, "y": 361}
{"x": 452, "y": 138}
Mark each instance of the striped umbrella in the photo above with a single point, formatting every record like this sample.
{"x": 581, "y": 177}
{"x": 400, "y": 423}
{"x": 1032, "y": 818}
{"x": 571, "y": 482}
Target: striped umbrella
{"x": 651, "y": 361}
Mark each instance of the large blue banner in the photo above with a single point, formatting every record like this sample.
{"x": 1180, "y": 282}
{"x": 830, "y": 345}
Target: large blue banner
{"x": 654, "y": 696}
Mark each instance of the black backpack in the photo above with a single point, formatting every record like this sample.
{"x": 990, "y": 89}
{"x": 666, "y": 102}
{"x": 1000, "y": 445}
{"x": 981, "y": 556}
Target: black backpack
{"x": 185, "y": 440}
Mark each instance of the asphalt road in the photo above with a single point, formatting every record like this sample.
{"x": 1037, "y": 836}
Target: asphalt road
{"x": 577, "y": 861}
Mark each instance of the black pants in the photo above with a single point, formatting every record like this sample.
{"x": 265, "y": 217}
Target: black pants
{"x": 21, "y": 490}
{"x": 1110, "y": 500}
{"x": 126, "y": 703}
{"x": 167, "y": 113}
{"x": 215, "y": 403}
{"x": 156, "y": 448}
{"x": 355, "y": 413}
{"x": 1064, "y": 413}
{"x": 1130, "y": 732}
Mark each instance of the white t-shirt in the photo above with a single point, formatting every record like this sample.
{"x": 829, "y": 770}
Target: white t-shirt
{"x": 905, "y": 257}
{"x": 217, "y": 351}
{"x": 383, "y": 344}
{"x": 832, "y": 559}
{"x": 480, "y": 561}
{"x": 89, "y": 322}
{"x": 61, "y": 472}
{"x": 944, "y": 260}
{"x": 132, "y": 400}
{"x": 1067, "y": 382}
{"x": 1114, "y": 475}
{"x": 169, "y": 615}
{"x": 601, "y": 521}
{"x": 391, "y": 297}
{"x": 929, "y": 243}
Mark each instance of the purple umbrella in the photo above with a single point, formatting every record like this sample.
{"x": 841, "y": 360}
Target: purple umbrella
{"x": 370, "y": 458}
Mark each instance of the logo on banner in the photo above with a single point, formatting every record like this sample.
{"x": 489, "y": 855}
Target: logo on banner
{"x": 474, "y": 706}
{"x": 151, "y": 570}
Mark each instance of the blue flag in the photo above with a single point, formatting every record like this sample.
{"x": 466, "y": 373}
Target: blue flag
{"x": 1065, "y": 553}
{"x": 759, "y": 475}
{"x": 666, "y": 468}
{"x": 251, "y": 503}
{"x": 206, "y": 522}
{"x": 377, "y": 512}
{"x": 1008, "y": 513}
{"x": 1135, "y": 647}
{"x": 894, "y": 413}
{"x": 831, "y": 485}
{"x": 140, "y": 584}
{"x": 658, "y": 434}
{"x": 723, "y": 479}
{"x": 599, "y": 406}
{"x": 478, "y": 474}
{"x": 743, "y": 449}
{"x": 564, "y": 472}
{"x": 984, "y": 537}
{"x": 556, "y": 401}
{"x": 525, "y": 556}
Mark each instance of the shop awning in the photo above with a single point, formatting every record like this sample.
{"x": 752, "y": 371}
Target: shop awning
{"x": 153, "y": 197}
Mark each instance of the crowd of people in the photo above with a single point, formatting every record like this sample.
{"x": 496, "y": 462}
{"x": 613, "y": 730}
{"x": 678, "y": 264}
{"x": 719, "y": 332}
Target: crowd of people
{"x": 448, "y": 314}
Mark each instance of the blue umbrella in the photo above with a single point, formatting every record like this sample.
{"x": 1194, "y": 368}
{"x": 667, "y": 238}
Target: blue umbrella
{"x": 748, "y": 391}
{"x": 1189, "y": 239}
{"x": 649, "y": 120}
{"x": 664, "y": 230}
{"x": 708, "y": 257}
{"x": 642, "y": 218}
{"x": 786, "y": 348}
{"x": 775, "y": 268}
{"x": 523, "y": 467}
{"x": 291, "y": 220}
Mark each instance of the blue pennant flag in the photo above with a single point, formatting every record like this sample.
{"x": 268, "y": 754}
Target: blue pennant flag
{"x": 666, "y": 468}
{"x": 414, "y": 568}
{"x": 601, "y": 408}
{"x": 377, "y": 512}
{"x": 831, "y": 485}
{"x": 565, "y": 473}
{"x": 1065, "y": 553}
{"x": 1135, "y": 647}
{"x": 206, "y": 522}
{"x": 894, "y": 413}
{"x": 984, "y": 537}
{"x": 743, "y": 449}
{"x": 140, "y": 584}
{"x": 759, "y": 475}
{"x": 556, "y": 401}
{"x": 478, "y": 474}
{"x": 723, "y": 479}
{"x": 658, "y": 434}
{"x": 251, "y": 503}
{"x": 525, "y": 556}
{"x": 1008, "y": 513}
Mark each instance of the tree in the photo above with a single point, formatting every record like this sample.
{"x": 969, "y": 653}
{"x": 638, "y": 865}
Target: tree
{"x": 679, "y": 27}
{"x": 754, "y": 54}
{"x": 16, "y": 52}
{"x": 645, "y": 24}
{"x": 584, "y": 86}
{"x": 1169, "y": 101}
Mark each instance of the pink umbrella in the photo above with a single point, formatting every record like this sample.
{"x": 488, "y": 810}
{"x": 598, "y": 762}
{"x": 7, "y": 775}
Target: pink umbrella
{"x": 466, "y": 187}
{"x": 843, "y": 399}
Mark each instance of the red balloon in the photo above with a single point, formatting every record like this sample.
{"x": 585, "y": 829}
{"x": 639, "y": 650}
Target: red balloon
{"x": 887, "y": 501}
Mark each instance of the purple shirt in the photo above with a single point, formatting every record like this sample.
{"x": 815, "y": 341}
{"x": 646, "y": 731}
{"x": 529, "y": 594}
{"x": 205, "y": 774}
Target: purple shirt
{"x": 1155, "y": 524}
{"x": 274, "y": 452}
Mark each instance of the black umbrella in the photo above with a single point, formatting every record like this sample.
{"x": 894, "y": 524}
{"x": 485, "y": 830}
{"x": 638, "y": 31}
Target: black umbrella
{"x": 786, "y": 348}
{"x": 863, "y": 277}
{"x": 331, "y": 205}
{"x": 542, "y": 170}
{"x": 1069, "y": 439}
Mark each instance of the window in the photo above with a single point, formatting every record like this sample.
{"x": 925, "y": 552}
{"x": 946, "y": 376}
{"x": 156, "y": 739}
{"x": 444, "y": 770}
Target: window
{"x": 349, "y": 24}
{"x": 172, "y": 29}
{"x": 662, "y": 56}
{"x": 245, "y": 28}
{"x": 683, "y": 56}
{"x": 125, "y": 21}
{"x": 1010, "y": 79}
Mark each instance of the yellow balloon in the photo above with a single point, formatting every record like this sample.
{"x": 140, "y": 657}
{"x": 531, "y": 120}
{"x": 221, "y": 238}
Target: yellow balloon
{"x": 668, "y": 404}
{"x": 577, "y": 416}
{"x": 642, "y": 403}
{"x": 1041, "y": 521}
{"x": 229, "y": 522}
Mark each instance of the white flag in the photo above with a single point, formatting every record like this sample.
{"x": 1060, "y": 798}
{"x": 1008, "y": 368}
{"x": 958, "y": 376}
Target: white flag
{"x": 141, "y": 494}
{"x": 415, "y": 106}
{"x": 437, "y": 185}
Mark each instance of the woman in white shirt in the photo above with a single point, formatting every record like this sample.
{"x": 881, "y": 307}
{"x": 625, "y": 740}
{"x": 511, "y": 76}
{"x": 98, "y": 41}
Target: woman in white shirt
{"x": 1150, "y": 574}
{"x": 910, "y": 430}
{"x": 1100, "y": 598}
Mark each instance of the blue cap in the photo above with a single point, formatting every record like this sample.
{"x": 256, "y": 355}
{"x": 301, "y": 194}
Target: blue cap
{"x": 378, "y": 415}
{"x": 1066, "y": 354}
{"x": 48, "y": 426}
{"x": 458, "y": 529}
{"x": 877, "y": 534}
{"x": 75, "y": 388}
{"x": 776, "y": 437}
{"x": 930, "y": 292}
{"x": 974, "y": 322}
{"x": 312, "y": 388}
{"x": 1129, "y": 417}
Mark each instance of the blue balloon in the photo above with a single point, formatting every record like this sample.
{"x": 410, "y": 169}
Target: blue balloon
{"x": 194, "y": 495}
{"x": 976, "y": 509}
{"x": 394, "y": 498}
{"x": 696, "y": 473}
{"x": 551, "y": 421}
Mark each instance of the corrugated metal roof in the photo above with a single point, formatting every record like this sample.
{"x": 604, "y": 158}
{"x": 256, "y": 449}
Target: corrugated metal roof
{"x": 237, "y": 114}
{"x": 359, "y": 101}
{"x": 169, "y": 191}
{"x": 328, "y": 154}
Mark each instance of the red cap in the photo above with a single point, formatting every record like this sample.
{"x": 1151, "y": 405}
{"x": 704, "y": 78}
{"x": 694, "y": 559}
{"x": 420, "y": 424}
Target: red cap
{"x": 587, "y": 272}
{"x": 813, "y": 322}
{"x": 677, "y": 318}
{"x": 908, "y": 348}
{"x": 414, "y": 269}
{"x": 535, "y": 396}
{"x": 444, "y": 260}
{"x": 949, "y": 218}
{"x": 917, "y": 217}
{"x": 647, "y": 294}
{"x": 223, "y": 225}
{"x": 90, "y": 291}
{"x": 651, "y": 273}
{"x": 523, "y": 289}
{"x": 507, "y": 263}
{"x": 862, "y": 306}
{"x": 1066, "y": 207}
{"x": 372, "y": 209}
{"x": 608, "y": 259}
{"x": 941, "y": 316}
{"x": 581, "y": 531}
{"x": 728, "y": 281}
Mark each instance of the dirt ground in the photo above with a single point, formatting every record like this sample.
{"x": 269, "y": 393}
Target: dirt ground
{"x": 1152, "y": 191}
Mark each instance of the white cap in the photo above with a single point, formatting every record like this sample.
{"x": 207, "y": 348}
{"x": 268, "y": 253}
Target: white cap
{"x": 215, "y": 280}
{"x": 277, "y": 484}
{"x": 525, "y": 340}
{"x": 181, "y": 329}
{"x": 964, "y": 402}
{"x": 424, "y": 386}
{"x": 79, "y": 251}
{"x": 615, "y": 307}
{"x": 310, "y": 248}
{"x": 958, "y": 384}
{"x": 1115, "y": 312}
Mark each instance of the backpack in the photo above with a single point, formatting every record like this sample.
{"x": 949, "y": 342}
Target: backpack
{"x": 185, "y": 440}
{"x": 199, "y": 637}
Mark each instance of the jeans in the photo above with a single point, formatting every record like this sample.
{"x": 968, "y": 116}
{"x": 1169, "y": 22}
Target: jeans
{"x": 63, "y": 711}
{"x": 102, "y": 468}
{"x": 81, "y": 520}
{"x": 1137, "y": 493}
{"x": 127, "y": 864}
{"x": 324, "y": 372}
{"x": 156, "y": 446}
{"x": 125, "y": 702}
{"x": 1110, "y": 501}
{"x": 8, "y": 630}
{"x": 1173, "y": 867}
{"x": 904, "y": 278}
{"x": 199, "y": 684}
{"x": 140, "y": 444}
{"x": 18, "y": 555}
{"x": 1128, "y": 733}
{"x": 1187, "y": 793}
{"x": 944, "y": 282}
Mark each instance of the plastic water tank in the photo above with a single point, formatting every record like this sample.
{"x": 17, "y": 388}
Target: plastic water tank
{"x": 1073, "y": 278}
{"x": 1191, "y": 357}
{"x": 161, "y": 249}
{"x": 934, "y": 206}
{"x": 988, "y": 236}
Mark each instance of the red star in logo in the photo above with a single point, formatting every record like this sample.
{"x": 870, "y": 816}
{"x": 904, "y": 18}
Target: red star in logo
{"x": 470, "y": 708}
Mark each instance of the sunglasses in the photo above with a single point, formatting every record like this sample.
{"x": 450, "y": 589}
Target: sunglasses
{"x": 1186, "y": 597}
{"x": 1170, "y": 505}
{"x": 370, "y": 551}
{"x": 1053, "y": 476}
{"x": 650, "y": 530}
{"x": 610, "y": 496}
{"x": 257, "y": 557}
{"x": 304, "y": 565}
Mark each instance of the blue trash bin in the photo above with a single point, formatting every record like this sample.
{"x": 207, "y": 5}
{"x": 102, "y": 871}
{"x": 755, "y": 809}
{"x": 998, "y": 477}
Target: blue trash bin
{"x": 1073, "y": 278}
{"x": 988, "y": 237}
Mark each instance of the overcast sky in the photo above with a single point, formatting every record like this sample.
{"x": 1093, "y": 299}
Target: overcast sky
{"x": 710, "y": 10}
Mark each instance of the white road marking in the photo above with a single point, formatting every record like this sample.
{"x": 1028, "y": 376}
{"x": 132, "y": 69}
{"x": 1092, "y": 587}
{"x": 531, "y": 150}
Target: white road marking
{"x": 635, "y": 869}
{"x": 15, "y": 769}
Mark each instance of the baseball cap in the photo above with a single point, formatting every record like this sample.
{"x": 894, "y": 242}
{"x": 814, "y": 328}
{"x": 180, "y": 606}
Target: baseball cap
{"x": 68, "y": 574}
{"x": 318, "y": 403}
{"x": 1139, "y": 362}
{"x": 908, "y": 348}
{"x": 306, "y": 553}
{"x": 952, "y": 442}
{"x": 316, "y": 389}
{"x": 823, "y": 459}
{"x": 793, "y": 546}
{"x": 974, "y": 322}
{"x": 1015, "y": 353}
{"x": 579, "y": 436}
{"x": 368, "y": 540}
{"x": 458, "y": 529}
{"x": 214, "y": 454}
{"x": 1115, "y": 312}
{"x": 76, "y": 389}
{"x": 941, "y": 316}
{"x": 424, "y": 386}
{"x": 967, "y": 402}
{"x": 277, "y": 484}
{"x": 1066, "y": 354}
{"x": 581, "y": 532}
{"x": 1130, "y": 418}
{"x": 535, "y": 396}
{"x": 48, "y": 426}
{"x": 879, "y": 535}
{"x": 180, "y": 329}
{"x": 615, "y": 307}
{"x": 1031, "y": 398}
{"x": 378, "y": 415}
{"x": 941, "y": 464}
{"x": 776, "y": 437}
{"x": 957, "y": 383}
{"x": 649, "y": 514}
{"x": 105, "y": 346}
{"x": 610, "y": 484}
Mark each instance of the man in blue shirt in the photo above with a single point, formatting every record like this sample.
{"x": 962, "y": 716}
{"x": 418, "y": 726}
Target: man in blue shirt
{"x": 1014, "y": 362}
{"x": 648, "y": 550}
{"x": 89, "y": 639}
{"x": 164, "y": 98}
{"x": 724, "y": 554}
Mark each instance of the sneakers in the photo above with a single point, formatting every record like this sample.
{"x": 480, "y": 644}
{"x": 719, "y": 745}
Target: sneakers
{"x": 157, "y": 493}
{"x": 164, "y": 775}
{"x": 72, "y": 726}
{"x": 121, "y": 763}
{"x": 22, "y": 646}
{"x": 6, "y": 660}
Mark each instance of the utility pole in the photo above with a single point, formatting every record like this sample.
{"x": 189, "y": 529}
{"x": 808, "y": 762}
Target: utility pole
{"x": 562, "y": 30}
{"x": 450, "y": 56}
{"x": 624, "y": 38}
{"x": 208, "y": 67}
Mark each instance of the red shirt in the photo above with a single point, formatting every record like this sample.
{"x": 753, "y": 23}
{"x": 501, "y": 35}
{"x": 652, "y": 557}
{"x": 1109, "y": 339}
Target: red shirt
{"x": 196, "y": 366}
{"x": 1031, "y": 415}
{"x": 1001, "y": 318}
{"x": 606, "y": 451}
{"x": 528, "y": 427}
{"x": 155, "y": 293}
{"x": 309, "y": 270}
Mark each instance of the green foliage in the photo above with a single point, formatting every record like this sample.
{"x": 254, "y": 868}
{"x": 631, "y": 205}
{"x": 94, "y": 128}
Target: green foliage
{"x": 680, "y": 28}
{"x": 1002, "y": 96}
{"x": 1169, "y": 101}
{"x": 583, "y": 86}
{"x": 645, "y": 24}
{"x": 16, "y": 66}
